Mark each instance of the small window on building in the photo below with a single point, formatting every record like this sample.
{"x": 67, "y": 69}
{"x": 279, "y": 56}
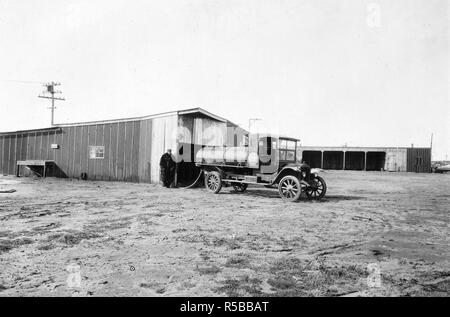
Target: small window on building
{"x": 96, "y": 152}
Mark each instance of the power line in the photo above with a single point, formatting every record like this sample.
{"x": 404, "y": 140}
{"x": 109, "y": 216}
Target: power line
{"x": 51, "y": 90}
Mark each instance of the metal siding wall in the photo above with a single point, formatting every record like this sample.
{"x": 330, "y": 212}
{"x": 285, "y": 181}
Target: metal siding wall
{"x": 12, "y": 155}
{"x": 58, "y": 137}
{"x": 135, "y": 152}
{"x": 106, "y": 129}
{"x": 120, "y": 160}
{"x": 82, "y": 152}
{"x": 425, "y": 154}
{"x": 128, "y": 148}
{"x": 6, "y": 155}
{"x": 30, "y": 150}
{"x": 185, "y": 129}
{"x": 209, "y": 132}
{"x": 113, "y": 151}
{"x": 76, "y": 160}
{"x": 145, "y": 142}
{"x": 164, "y": 134}
{"x": 395, "y": 160}
{"x": 97, "y": 163}
{"x": 89, "y": 142}
{"x": 53, "y": 140}
{"x": 68, "y": 152}
{"x": 39, "y": 149}
{"x": 64, "y": 149}
{"x": 24, "y": 147}
{"x": 1, "y": 154}
{"x": 44, "y": 148}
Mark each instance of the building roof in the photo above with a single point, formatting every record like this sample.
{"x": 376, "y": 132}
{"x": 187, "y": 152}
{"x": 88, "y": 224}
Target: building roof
{"x": 31, "y": 131}
{"x": 159, "y": 115}
{"x": 189, "y": 111}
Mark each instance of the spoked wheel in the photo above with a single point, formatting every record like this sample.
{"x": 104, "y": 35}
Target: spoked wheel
{"x": 213, "y": 182}
{"x": 289, "y": 188}
{"x": 317, "y": 188}
{"x": 240, "y": 187}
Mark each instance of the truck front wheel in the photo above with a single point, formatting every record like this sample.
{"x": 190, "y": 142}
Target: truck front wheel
{"x": 289, "y": 188}
{"x": 317, "y": 189}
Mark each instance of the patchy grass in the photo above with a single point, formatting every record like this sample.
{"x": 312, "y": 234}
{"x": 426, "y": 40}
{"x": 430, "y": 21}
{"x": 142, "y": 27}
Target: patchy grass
{"x": 243, "y": 286}
{"x": 9, "y": 244}
{"x": 294, "y": 277}
{"x": 46, "y": 247}
{"x": 159, "y": 288}
{"x": 208, "y": 270}
{"x": 45, "y": 228}
{"x": 72, "y": 237}
{"x": 103, "y": 225}
{"x": 238, "y": 261}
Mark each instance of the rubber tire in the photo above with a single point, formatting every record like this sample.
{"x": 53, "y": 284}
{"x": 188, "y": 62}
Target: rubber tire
{"x": 296, "y": 182}
{"x": 310, "y": 196}
{"x": 240, "y": 187}
{"x": 209, "y": 177}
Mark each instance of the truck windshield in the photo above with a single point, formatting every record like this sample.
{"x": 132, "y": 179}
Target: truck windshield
{"x": 287, "y": 150}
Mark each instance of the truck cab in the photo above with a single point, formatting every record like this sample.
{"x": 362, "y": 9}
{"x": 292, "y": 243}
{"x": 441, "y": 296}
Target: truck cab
{"x": 277, "y": 152}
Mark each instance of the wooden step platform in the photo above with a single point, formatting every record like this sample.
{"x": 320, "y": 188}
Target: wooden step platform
{"x": 34, "y": 163}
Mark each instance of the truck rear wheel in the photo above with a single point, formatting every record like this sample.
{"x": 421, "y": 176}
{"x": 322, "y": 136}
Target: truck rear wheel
{"x": 213, "y": 182}
{"x": 289, "y": 188}
{"x": 240, "y": 187}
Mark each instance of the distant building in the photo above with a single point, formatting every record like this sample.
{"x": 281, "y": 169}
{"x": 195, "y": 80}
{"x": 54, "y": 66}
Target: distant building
{"x": 392, "y": 159}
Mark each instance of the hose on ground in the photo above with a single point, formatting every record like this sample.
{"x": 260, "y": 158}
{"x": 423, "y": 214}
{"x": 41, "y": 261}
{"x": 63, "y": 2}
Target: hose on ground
{"x": 194, "y": 183}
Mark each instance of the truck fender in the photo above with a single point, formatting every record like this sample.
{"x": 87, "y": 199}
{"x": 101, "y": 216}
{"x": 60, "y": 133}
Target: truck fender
{"x": 287, "y": 170}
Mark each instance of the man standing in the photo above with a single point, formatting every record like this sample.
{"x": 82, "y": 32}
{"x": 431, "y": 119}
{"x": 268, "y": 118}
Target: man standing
{"x": 167, "y": 165}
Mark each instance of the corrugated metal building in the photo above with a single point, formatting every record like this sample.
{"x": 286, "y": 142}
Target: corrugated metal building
{"x": 122, "y": 150}
{"x": 392, "y": 159}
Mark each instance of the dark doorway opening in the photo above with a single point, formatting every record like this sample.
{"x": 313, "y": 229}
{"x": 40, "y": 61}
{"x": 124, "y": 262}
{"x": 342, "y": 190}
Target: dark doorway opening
{"x": 333, "y": 160}
{"x": 187, "y": 172}
{"x": 312, "y": 158}
{"x": 375, "y": 161}
{"x": 354, "y": 161}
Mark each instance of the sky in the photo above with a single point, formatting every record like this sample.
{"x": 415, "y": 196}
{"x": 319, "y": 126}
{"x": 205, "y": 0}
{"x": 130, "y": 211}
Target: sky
{"x": 329, "y": 72}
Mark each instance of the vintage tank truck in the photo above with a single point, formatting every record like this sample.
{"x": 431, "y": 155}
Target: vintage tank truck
{"x": 268, "y": 160}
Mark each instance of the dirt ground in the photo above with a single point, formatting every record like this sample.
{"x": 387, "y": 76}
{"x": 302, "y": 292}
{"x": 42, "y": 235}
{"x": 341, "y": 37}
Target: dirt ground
{"x": 375, "y": 234}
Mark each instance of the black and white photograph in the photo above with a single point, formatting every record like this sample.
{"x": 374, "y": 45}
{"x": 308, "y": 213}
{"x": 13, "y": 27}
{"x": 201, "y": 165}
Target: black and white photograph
{"x": 228, "y": 153}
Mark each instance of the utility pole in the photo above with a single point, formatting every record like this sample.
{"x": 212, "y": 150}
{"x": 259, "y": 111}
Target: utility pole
{"x": 50, "y": 89}
{"x": 250, "y": 122}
